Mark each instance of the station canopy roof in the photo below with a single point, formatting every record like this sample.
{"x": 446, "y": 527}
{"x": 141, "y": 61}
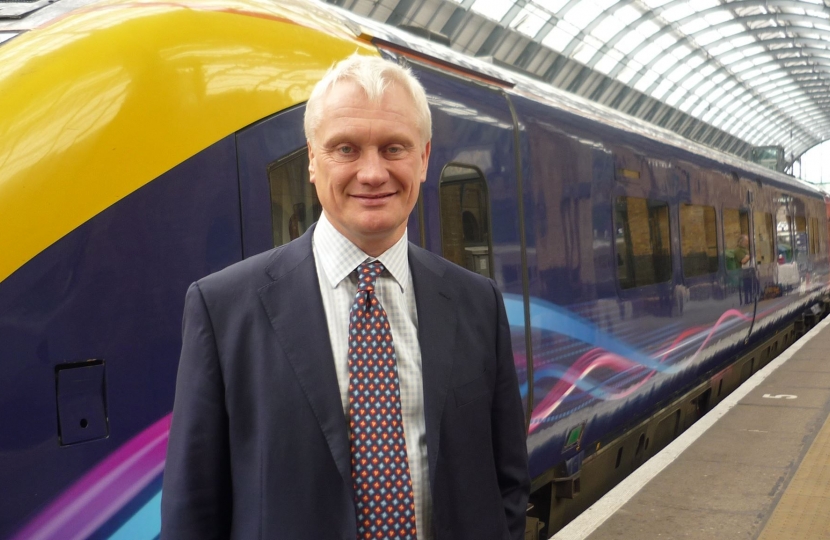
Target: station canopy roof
{"x": 730, "y": 74}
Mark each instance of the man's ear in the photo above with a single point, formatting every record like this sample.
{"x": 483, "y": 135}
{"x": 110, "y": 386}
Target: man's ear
{"x": 425, "y": 160}
{"x": 310, "y": 162}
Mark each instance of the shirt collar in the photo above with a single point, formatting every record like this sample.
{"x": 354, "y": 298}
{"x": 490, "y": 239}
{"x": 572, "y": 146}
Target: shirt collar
{"x": 339, "y": 257}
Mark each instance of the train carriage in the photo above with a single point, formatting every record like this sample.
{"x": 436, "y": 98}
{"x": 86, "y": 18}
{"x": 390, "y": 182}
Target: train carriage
{"x": 147, "y": 144}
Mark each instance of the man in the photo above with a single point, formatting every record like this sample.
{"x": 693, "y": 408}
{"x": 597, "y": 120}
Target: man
{"x": 742, "y": 259}
{"x": 349, "y": 384}
{"x": 742, "y": 251}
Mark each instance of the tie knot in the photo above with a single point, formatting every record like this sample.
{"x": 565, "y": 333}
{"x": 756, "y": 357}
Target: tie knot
{"x": 367, "y": 273}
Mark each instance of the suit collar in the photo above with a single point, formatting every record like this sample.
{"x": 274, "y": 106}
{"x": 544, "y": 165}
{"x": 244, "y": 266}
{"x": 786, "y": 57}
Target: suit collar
{"x": 295, "y": 310}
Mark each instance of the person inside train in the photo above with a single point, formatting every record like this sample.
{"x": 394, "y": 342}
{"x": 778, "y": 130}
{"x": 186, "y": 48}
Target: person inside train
{"x": 742, "y": 252}
{"x": 742, "y": 261}
{"x": 297, "y": 415}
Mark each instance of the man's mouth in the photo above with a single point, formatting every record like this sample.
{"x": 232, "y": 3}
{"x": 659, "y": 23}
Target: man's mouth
{"x": 373, "y": 195}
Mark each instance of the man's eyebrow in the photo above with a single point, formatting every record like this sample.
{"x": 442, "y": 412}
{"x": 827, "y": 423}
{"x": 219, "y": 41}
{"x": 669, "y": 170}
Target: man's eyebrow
{"x": 393, "y": 137}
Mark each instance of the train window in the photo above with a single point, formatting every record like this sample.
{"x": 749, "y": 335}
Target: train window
{"x": 642, "y": 242}
{"x": 800, "y": 238}
{"x": 465, "y": 219}
{"x": 698, "y": 240}
{"x": 737, "y": 239}
{"x": 764, "y": 232}
{"x": 783, "y": 230}
{"x": 813, "y": 237}
{"x": 294, "y": 203}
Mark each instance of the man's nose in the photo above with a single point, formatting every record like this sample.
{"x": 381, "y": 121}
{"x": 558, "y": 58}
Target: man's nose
{"x": 372, "y": 168}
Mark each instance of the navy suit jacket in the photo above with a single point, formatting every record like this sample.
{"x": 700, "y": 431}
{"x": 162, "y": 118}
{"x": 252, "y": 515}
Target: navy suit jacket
{"x": 258, "y": 445}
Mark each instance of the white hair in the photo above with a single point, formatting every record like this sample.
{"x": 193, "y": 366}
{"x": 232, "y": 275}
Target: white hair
{"x": 373, "y": 75}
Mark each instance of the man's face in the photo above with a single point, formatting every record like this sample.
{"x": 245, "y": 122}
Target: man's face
{"x": 368, "y": 162}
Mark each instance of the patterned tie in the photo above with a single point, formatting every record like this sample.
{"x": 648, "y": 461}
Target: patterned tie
{"x": 384, "y": 505}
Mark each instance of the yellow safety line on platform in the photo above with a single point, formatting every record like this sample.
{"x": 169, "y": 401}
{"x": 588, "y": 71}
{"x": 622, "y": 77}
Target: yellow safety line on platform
{"x": 804, "y": 510}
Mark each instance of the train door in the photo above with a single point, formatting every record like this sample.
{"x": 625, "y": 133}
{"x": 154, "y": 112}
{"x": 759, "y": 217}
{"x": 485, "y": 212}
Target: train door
{"x": 739, "y": 253}
{"x": 470, "y": 200}
{"x": 765, "y": 261}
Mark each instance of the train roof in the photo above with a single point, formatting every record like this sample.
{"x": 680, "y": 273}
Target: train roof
{"x": 527, "y": 86}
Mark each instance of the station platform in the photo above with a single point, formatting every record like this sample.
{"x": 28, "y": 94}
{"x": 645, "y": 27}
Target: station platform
{"x": 757, "y": 466}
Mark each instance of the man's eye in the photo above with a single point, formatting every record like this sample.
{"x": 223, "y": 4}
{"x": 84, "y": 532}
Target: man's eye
{"x": 345, "y": 149}
{"x": 394, "y": 149}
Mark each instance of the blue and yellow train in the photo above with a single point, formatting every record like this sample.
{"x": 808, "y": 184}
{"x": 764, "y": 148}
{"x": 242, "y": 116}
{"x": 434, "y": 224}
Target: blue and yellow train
{"x": 147, "y": 143}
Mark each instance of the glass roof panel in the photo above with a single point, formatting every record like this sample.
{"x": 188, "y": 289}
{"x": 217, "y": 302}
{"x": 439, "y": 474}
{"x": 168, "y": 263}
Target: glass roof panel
{"x": 675, "y": 97}
{"x": 583, "y": 53}
{"x": 681, "y": 51}
{"x": 648, "y": 53}
{"x": 694, "y": 26}
{"x": 694, "y": 61}
{"x": 665, "y": 41}
{"x": 604, "y": 5}
{"x": 606, "y": 64}
{"x": 688, "y": 103}
{"x": 736, "y": 67}
{"x": 645, "y": 81}
{"x": 551, "y": 5}
{"x": 627, "y": 74}
{"x": 558, "y": 38}
{"x": 691, "y": 80}
{"x": 750, "y": 74}
{"x": 712, "y": 96}
{"x": 731, "y": 30}
{"x": 492, "y": 9}
{"x": 679, "y": 72}
{"x": 719, "y": 78}
{"x": 720, "y": 48}
{"x": 662, "y": 88}
{"x": 732, "y": 58}
{"x": 740, "y": 41}
{"x": 629, "y": 42}
{"x": 648, "y": 28}
{"x": 680, "y": 11}
{"x": 609, "y": 26}
{"x": 655, "y": 3}
{"x": 717, "y": 17}
{"x": 664, "y": 63}
{"x": 583, "y": 14}
{"x": 627, "y": 14}
{"x": 530, "y": 20}
{"x": 708, "y": 37}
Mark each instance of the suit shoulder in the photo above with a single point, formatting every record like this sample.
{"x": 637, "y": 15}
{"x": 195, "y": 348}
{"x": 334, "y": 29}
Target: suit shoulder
{"x": 451, "y": 271}
{"x": 241, "y": 280}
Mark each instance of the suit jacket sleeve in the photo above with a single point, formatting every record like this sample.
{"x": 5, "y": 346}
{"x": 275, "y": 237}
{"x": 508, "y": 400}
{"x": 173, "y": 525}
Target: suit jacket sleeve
{"x": 509, "y": 434}
{"x": 196, "y": 495}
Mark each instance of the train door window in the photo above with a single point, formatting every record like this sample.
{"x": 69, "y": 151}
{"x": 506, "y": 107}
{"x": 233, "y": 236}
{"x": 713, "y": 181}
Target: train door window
{"x": 736, "y": 238}
{"x": 783, "y": 233}
{"x": 698, "y": 240}
{"x": 465, "y": 219}
{"x": 764, "y": 232}
{"x": 294, "y": 203}
{"x": 800, "y": 238}
{"x": 813, "y": 237}
{"x": 643, "y": 242}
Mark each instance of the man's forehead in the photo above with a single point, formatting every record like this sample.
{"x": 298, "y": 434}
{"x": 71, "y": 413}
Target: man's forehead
{"x": 349, "y": 90}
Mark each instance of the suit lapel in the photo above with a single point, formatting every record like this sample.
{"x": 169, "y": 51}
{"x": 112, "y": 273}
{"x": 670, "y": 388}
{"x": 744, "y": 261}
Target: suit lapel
{"x": 436, "y": 335}
{"x": 295, "y": 310}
